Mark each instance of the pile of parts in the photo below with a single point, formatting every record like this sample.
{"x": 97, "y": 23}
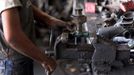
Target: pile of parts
{"x": 114, "y": 45}
{"x": 110, "y": 52}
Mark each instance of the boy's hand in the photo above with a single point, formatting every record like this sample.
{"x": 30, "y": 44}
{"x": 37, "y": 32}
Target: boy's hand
{"x": 59, "y": 23}
{"x": 49, "y": 65}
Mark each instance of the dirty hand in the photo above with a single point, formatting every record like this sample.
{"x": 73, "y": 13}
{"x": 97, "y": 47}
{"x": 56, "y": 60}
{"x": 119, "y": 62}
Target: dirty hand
{"x": 49, "y": 65}
{"x": 70, "y": 25}
{"x": 59, "y": 23}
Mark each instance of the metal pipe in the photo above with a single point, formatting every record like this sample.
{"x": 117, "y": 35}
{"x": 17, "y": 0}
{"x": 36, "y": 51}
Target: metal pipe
{"x": 110, "y": 32}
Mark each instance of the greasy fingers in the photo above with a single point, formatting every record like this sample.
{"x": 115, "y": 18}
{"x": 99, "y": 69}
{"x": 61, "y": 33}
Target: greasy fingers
{"x": 49, "y": 65}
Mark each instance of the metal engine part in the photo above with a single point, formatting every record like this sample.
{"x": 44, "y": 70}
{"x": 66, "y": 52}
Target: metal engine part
{"x": 110, "y": 32}
{"x": 74, "y": 52}
{"x": 109, "y": 56}
{"x": 73, "y": 47}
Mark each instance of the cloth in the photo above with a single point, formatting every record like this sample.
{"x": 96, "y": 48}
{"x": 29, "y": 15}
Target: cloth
{"x": 90, "y": 7}
{"x": 7, "y": 4}
{"x": 18, "y": 64}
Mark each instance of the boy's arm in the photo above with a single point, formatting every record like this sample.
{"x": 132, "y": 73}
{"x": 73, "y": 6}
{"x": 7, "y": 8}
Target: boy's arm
{"x": 45, "y": 18}
{"x": 16, "y": 38}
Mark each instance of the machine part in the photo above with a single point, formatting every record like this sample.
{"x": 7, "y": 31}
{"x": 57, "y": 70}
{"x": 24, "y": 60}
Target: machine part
{"x": 128, "y": 15}
{"x": 65, "y": 48}
{"x": 75, "y": 52}
{"x": 110, "y": 32}
{"x": 51, "y": 38}
{"x": 111, "y": 59}
{"x": 77, "y": 4}
{"x": 131, "y": 43}
{"x": 88, "y": 39}
{"x": 123, "y": 53}
{"x": 64, "y": 37}
{"x": 126, "y": 20}
{"x": 79, "y": 19}
{"x": 103, "y": 56}
{"x": 61, "y": 38}
{"x": 121, "y": 40}
{"x": 106, "y": 15}
{"x": 80, "y": 34}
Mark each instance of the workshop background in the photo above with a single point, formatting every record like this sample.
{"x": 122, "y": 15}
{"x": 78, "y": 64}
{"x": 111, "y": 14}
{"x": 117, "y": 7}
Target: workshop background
{"x": 100, "y": 44}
